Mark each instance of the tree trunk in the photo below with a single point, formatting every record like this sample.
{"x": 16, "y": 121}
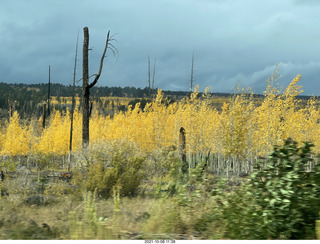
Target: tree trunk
{"x": 149, "y": 75}
{"x": 86, "y": 86}
{"x": 85, "y": 90}
{"x": 73, "y": 101}
{"x": 182, "y": 150}
{"x": 191, "y": 78}
{"x": 49, "y": 84}
{"x": 44, "y": 116}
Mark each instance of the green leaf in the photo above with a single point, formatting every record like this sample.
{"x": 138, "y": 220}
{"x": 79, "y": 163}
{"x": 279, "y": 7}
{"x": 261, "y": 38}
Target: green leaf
{"x": 272, "y": 202}
{"x": 284, "y": 192}
{"x": 286, "y": 200}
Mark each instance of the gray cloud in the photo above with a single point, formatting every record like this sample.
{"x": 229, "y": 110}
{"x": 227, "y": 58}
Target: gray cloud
{"x": 235, "y": 42}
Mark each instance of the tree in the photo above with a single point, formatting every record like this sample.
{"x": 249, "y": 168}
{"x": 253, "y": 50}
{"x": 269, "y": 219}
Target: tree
{"x": 151, "y": 86}
{"x": 49, "y": 85}
{"x": 16, "y": 139}
{"x": 73, "y": 97}
{"x": 191, "y": 78}
{"x": 87, "y": 86}
{"x": 182, "y": 150}
{"x": 149, "y": 75}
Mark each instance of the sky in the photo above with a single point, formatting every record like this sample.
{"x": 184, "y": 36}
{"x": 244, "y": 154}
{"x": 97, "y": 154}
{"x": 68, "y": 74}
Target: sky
{"x": 236, "y": 43}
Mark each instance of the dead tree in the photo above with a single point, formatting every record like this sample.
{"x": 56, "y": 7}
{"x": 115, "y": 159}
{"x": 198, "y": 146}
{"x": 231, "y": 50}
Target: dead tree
{"x": 182, "y": 150}
{"x": 149, "y": 75}
{"x": 153, "y": 75}
{"x": 191, "y": 78}
{"x": 44, "y": 116}
{"x": 86, "y": 86}
{"x": 151, "y": 84}
{"x": 73, "y": 99}
{"x": 49, "y": 85}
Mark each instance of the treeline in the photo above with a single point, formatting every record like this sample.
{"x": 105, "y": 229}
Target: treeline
{"x": 39, "y": 92}
{"x": 27, "y": 99}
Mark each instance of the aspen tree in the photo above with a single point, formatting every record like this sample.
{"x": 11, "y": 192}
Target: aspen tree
{"x": 16, "y": 138}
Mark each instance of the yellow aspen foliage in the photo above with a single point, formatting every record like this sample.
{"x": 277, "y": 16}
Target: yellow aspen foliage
{"x": 243, "y": 129}
{"x": 55, "y": 138}
{"x": 15, "y": 141}
{"x": 267, "y": 119}
{"x": 235, "y": 121}
{"x": 278, "y": 118}
{"x": 98, "y": 128}
{"x": 77, "y": 130}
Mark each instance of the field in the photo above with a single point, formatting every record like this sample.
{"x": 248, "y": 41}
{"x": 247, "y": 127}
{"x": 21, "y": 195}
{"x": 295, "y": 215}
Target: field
{"x": 196, "y": 168}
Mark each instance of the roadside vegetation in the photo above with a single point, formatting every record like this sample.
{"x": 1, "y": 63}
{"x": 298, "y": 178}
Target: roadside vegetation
{"x": 249, "y": 171}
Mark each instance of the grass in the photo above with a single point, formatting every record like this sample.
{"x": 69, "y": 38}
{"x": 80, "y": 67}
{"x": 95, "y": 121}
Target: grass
{"x": 197, "y": 205}
{"x": 57, "y": 215}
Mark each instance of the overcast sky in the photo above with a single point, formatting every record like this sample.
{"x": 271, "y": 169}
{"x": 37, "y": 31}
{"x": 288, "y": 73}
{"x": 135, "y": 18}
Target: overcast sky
{"x": 235, "y": 42}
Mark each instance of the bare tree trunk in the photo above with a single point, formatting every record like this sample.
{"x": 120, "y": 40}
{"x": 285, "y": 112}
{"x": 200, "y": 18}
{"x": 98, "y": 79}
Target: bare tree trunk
{"x": 86, "y": 86}
{"x": 91, "y": 107}
{"x": 73, "y": 100}
{"x": 49, "y": 93}
{"x": 191, "y": 78}
{"x": 182, "y": 150}
{"x": 149, "y": 74}
{"x": 153, "y": 76}
{"x": 85, "y": 89}
{"x": 44, "y": 116}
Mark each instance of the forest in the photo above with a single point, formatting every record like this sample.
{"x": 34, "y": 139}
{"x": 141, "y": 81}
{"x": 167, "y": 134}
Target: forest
{"x": 29, "y": 98}
{"x": 168, "y": 167}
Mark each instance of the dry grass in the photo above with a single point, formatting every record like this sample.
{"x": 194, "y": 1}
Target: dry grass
{"x": 137, "y": 218}
{"x": 20, "y": 219}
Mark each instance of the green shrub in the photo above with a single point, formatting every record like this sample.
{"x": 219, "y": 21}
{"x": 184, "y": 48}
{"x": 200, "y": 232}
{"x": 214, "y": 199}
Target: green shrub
{"x": 185, "y": 206}
{"x": 163, "y": 163}
{"x": 8, "y": 165}
{"x": 287, "y": 190}
{"x": 108, "y": 165}
{"x": 280, "y": 200}
{"x": 58, "y": 189}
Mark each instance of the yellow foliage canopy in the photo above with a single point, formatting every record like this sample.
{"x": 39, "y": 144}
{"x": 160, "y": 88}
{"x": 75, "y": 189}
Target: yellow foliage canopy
{"x": 242, "y": 129}
{"x": 15, "y": 140}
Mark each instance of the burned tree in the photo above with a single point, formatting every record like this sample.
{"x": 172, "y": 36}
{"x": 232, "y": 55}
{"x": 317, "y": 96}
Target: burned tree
{"x": 149, "y": 76}
{"x": 73, "y": 99}
{"x": 182, "y": 150}
{"x": 191, "y": 78}
{"x": 46, "y": 111}
{"x": 87, "y": 86}
{"x": 49, "y": 85}
{"x": 44, "y": 115}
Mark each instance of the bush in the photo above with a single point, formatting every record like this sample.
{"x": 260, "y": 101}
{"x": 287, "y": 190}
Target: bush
{"x": 110, "y": 164}
{"x": 163, "y": 163}
{"x": 280, "y": 200}
{"x": 58, "y": 189}
{"x": 185, "y": 208}
{"x": 288, "y": 192}
{"x": 8, "y": 165}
